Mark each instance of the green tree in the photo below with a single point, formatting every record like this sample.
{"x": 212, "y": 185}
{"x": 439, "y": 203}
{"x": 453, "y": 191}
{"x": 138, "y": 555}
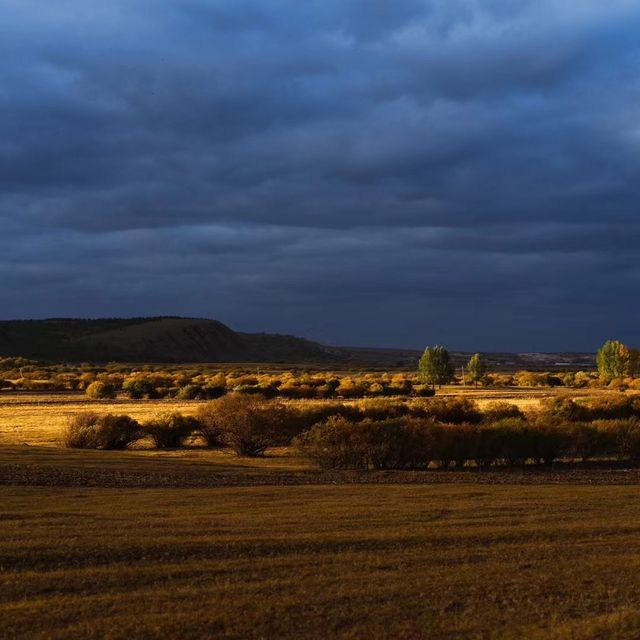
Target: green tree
{"x": 435, "y": 367}
{"x": 613, "y": 360}
{"x": 634, "y": 362}
{"x": 476, "y": 368}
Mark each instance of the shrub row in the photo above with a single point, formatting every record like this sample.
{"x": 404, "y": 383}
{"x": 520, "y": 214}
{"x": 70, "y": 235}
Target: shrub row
{"x": 384, "y": 433}
{"x": 247, "y": 424}
{"x": 614, "y": 407}
{"x": 250, "y": 423}
{"x": 442, "y": 409}
{"x": 170, "y": 380}
{"x": 414, "y": 443}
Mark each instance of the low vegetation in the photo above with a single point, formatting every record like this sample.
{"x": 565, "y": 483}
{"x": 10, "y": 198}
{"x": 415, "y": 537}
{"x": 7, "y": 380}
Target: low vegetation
{"x": 282, "y": 460}
{"x": 100, "y": 390}
{"x": 169, "y": 430}
{"x": 247, "y": 424}
{"x": 419, "y": 444}
{"x": 618, "y": 368}
{"x": 386, "y": 434}
{"x": 90, "y": 430}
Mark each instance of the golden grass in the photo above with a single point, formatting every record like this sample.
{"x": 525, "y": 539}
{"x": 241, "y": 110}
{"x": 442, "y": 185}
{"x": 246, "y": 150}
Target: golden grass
{"x": 526, "y": 398}
{"x": 39, "y": 418}
{"x": 321, "y": 562}
{"x": 293, "y": 554}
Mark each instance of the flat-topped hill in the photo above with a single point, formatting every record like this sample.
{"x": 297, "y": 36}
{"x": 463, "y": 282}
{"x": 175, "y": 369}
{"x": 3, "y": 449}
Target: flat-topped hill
{"x": 175, "y": 339}
{"x": 159, "y": 339}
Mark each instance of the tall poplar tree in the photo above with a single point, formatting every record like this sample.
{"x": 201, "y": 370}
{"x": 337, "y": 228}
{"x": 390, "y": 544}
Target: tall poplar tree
{"x": 435, "y": 366}
{"x": 476, "y": 368}
{"x": 613, "y": 360}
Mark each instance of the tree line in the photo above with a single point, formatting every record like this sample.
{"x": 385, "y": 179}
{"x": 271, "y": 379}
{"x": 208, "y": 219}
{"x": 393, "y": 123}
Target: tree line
{"x": 435, "y": 367}
{"x": 613, "y": 360}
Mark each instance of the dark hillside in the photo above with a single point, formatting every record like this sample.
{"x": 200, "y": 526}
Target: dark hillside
{"x": 163, "y": 339}
{"x": 174, "y": 339}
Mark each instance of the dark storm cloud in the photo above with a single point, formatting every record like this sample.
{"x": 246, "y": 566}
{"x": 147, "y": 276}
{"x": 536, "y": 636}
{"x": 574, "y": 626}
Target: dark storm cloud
{"x": 358, "y": 171}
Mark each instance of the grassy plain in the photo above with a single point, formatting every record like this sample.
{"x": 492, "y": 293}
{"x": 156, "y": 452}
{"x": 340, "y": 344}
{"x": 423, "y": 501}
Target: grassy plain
{"x": 39, "y": 418}
{"x": 321, "y": 561}
{"x": 202, "y": 544}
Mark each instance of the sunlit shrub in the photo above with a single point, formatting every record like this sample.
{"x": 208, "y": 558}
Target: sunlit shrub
{"x": 549, "y": 441}
{"x": 213, "y": 391}
{"x": 100, "y": 390}
{"x": 514, "y": 440}
{"x": 376, "y": 389}
{"x": 350, "y": 388}
{"x": 495, "y": 411}
{"x": 498, "y": 380}
{"x": 454, "y": 410}
{"x": 190, "y": 392}
{"x": 253, "y": 389}
{"x": 623, "y": 436}
{"x": 587, "y": 440}
{"x": 618, "y": 406}
{"x": 619, "y": 384}
{"x": 383, "y": 408}
{"x": 332, "y": 445}
{"x": 452, "y": 443}
{"x": 400, "y": 386}
{"x": 582, "y": 379}
{"x": 169, "y": 430}
{"x": 139, "y": 387}
{"x": 31, "y": 384}
{"x": 423, "y": 391}
{"x": 303, "y": 416}
{"x": 248, "y": 424}
{"x": 563, "y": 410}
{"x": 383, "y": 444}
{"x": 90, "y": 430}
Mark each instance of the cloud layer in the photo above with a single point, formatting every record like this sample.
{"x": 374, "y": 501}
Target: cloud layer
{"x": 359, "y": 172}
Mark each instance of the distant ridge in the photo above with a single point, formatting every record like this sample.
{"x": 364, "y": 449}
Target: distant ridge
{"x": 152, "y": 339}
{"x": 175, "y": 339}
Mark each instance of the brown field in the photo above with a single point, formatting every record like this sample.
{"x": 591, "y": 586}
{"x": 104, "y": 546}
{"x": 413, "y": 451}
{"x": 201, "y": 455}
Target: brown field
{"x": 321, "y": 561}
{"x": 202, "y": 544}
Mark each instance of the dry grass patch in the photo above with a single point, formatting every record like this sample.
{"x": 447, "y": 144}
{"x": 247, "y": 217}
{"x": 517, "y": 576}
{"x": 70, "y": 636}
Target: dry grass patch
{"x": 321, "y": 561}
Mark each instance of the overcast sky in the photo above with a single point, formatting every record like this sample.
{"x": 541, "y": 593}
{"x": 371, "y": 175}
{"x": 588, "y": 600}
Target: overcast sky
{"x": 360, "y": 172}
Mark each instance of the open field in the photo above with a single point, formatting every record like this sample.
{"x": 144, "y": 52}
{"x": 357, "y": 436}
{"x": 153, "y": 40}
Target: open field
{"x": 200, "y": 543}
{"x": 321, "y": 561}
{"x": 39, "y": 418}
{"x": 197, "y": 467}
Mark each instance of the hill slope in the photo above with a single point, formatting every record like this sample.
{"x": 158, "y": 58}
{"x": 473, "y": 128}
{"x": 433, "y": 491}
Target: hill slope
{"x": 173, "y": 339}
{"x": 163, "y": 339}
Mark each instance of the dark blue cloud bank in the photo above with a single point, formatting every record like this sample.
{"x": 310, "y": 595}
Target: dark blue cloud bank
{"x": 356, "y": 171}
